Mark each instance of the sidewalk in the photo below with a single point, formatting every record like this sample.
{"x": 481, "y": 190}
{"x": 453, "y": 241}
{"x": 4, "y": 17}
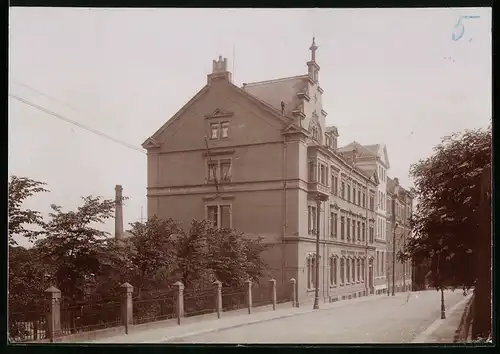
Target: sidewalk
{"x": 194, "y": 326}
{"x": 443, "y": 331}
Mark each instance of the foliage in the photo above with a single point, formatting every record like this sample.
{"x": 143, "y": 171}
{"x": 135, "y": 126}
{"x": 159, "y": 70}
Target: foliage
{"x": 20, "y": 189}
{"x": 76, "y": 252}
{"x": 447, "y": 187}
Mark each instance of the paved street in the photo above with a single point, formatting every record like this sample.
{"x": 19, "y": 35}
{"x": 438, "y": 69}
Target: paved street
{"x": 385, "y": 320}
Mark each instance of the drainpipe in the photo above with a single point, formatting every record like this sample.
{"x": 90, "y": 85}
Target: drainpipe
{"x": 283, "y": 273}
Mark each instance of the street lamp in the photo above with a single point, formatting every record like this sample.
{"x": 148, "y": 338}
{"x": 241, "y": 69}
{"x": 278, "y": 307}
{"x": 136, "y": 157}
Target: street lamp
{"x": 394, "y": 201}
{"x": 319, "y": 198}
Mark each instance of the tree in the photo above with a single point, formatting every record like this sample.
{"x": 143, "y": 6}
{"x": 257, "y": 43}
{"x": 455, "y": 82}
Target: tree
{"x": 155, "y": 255}
{"x": 20, "y": 189}
{"x": 451, "y": 211}
{"x": 75, "y": 251}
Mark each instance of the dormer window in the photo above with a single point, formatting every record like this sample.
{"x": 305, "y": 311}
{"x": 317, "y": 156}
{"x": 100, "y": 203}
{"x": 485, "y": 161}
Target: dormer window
{"x": 315, "y": 133}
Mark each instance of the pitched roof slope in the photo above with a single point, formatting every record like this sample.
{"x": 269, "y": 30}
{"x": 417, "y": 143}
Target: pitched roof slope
{"x": 276, "y": 91}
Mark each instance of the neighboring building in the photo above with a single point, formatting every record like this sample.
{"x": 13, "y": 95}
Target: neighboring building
{"x": 373, "y": 160}
{"x": 400, "y": 206}
{"x": 271, "y": 155}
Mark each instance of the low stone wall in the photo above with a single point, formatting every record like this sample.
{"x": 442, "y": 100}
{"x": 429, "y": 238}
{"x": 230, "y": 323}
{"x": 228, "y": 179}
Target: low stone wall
{"x": 463, "y": 330}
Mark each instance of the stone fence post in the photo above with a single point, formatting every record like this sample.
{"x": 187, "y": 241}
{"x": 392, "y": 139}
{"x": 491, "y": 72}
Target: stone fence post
{"x": 127, "y": 306}
{"x": 218, "y": 297}
{"x": 53, "y": 296}
{"x": 180, "y": 301}
{"x": 249, "y": 295}
{"x": 273, "y": 292}
{"x": 295, "y": 303}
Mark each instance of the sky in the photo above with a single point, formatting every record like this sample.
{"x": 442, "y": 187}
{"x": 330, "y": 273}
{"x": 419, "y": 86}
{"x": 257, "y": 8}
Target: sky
{"x": 392, "y": 76}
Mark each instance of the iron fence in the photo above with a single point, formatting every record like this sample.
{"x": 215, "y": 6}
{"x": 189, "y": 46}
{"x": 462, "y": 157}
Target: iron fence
{"x": 199, "y": 301}
{"x": 234, "y": 298}
{"x": 88, "y": 317}
{"x": 261, "y": 295}
{"x": 28, "y": 326}
{"x": 154, "y": 306}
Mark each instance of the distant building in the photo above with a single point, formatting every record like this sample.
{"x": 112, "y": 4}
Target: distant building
{"x": 374, "y": 160}
{"x": 400, "y": 206}
{"x": 256, "y": 159}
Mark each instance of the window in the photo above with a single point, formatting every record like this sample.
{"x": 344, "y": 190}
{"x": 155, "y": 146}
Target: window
{"x": 348, "y": 270}
{"x": 342, "y": 227}
{"x": 220, "y": 169}
{"x": 219, "y": 130}
{"x": 359, "y": 197}
{"x": 348, "y": 192}
{"x": 353, "y": 262}
{"x": 225, "y": 170}
{"x": 383, "y": 264}
{"x": 359, "y": 230}
{"x": 364, "y": 200}
{"x": 371, "y": 233}
{"x": 309, "y": 272}
{"x": 348, "y": 229}
{"x": 224, "y": 128}
{"x": 354, "y": 194}
{"x": 372, "y": 202}
{"x": 363, "y": 232}
{"x": 214, "y": 131}
{"x": 358, "y": 270}
{"x": 335, "y": 185}
{"x": 362, "y": 269}
{"x": 333, "y": 271}
{"x": 342, "y": 271}
{"x": 311, "y": 210}
{"x": 322, "y": 175}
{"x": 353, "y": 230}
{"x": 342, "y": 190}
{"x": 333, "y": 224}
{"x": 220, "y": 215}
{"x": 378, "y": 263}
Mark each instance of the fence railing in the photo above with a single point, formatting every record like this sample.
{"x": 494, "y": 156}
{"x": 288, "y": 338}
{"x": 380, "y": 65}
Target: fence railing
{"x": 63, "y": 317}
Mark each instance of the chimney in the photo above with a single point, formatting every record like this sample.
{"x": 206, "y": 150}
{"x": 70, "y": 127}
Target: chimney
{"x": 118, "y": 212}
{"x": 396, "y": 181}
{"x": 219, "y": 71}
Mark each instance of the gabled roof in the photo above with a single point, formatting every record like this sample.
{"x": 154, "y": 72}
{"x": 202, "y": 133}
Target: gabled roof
{"x": 289, "y": 90}
{"x": 369, "y": 172}
{"x": 151, "y": 142}
{"x": 374, "y": 150}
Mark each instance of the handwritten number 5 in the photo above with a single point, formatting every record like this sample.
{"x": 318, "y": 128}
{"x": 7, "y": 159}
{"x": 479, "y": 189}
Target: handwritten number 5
{"x": 459, "y": 30}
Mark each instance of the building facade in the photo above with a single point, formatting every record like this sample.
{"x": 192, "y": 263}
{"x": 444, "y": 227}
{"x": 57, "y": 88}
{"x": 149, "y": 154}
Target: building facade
{"x": 400, "y": 207}
{"x": 261, "y": 159}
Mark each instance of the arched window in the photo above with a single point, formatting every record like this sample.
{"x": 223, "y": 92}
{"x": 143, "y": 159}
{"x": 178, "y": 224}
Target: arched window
{"x": 342, "y": 271}
{"x": 333, "y": 271}
{"x": 353, "y": 262}
{"x": 348, "y": 271}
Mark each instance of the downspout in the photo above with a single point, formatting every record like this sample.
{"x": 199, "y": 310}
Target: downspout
{"x": 283, "y": 245}
{"x": 366, "y": 239}
{"x": 324, "y": 252}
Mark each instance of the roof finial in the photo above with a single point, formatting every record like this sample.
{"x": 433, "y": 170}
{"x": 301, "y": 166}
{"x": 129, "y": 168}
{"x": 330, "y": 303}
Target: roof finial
{"x": 313, "y": 49}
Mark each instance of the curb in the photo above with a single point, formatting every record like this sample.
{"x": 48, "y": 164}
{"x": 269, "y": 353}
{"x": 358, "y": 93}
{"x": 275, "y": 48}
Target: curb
{"x": 422, "y": 337}
{"x": 465, "y": 321}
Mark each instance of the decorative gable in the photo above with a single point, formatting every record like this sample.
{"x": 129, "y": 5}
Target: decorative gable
{"x": 219, "y": 113}
{"x": 150, "y": 143}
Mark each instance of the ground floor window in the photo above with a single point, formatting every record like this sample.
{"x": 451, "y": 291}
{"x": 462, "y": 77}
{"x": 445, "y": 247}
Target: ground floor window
{"x": 353, "y": 262}
{"x": 348, "y": 270}
{"x": 342, "y": 271}
{"x": 333, "y": 271}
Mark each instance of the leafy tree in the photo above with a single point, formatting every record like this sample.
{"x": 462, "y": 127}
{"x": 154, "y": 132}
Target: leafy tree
{"x": 155, "y": 257}
{"x": 74, "y": 249}
{"x": 451, "y": 210}
{"x": 20, "y": 189}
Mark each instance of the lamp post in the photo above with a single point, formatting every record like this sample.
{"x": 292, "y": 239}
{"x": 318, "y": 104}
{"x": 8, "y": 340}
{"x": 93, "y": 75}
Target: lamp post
{"x": 319, "y": 198}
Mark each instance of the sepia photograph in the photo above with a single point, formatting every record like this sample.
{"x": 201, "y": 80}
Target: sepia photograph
{"x": 250, "y": 176}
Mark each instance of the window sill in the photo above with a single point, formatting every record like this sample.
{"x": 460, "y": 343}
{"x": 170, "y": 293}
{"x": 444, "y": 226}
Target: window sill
{"x": 333, "y": 286}
{"x": 311, "y": 290}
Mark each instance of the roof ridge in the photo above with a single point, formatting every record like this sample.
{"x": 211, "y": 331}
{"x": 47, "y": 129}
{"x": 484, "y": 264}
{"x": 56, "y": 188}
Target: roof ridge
{"x": 275, "y": 80}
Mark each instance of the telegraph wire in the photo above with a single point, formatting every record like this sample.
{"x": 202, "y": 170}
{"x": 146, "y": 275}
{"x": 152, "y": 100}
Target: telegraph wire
{"x": 80, "y": 125}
